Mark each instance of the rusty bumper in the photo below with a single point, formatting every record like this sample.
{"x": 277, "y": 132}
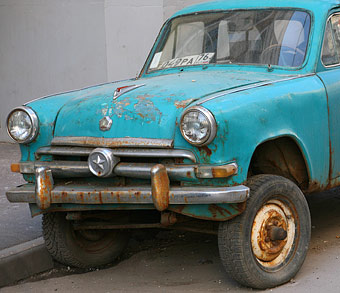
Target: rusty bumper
{"x": 161, "y": 194}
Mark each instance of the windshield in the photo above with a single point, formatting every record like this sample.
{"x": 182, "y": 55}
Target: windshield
{"x": 275, "y": 37}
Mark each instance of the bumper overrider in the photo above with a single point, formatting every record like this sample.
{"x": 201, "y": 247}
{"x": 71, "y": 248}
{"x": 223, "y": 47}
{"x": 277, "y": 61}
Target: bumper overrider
{"x": 102, "y": 163}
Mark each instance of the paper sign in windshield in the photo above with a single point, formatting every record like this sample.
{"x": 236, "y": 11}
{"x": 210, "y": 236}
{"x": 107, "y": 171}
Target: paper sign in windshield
{"x": 189, "y": 60}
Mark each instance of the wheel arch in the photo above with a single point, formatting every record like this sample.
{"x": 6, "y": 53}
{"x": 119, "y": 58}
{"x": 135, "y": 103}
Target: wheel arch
{"x": 283, "y": 155}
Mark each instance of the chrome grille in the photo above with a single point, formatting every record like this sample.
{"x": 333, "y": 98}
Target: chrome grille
{"x": 67, "y": 161}
{"x": 119, "y": 152}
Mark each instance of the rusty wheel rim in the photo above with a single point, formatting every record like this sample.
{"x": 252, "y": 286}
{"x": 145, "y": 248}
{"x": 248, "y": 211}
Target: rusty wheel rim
{"x": 273, "y": 233}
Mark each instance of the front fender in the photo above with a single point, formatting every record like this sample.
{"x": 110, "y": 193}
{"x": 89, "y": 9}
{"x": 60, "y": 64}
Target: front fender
{"x": 295, "y": 108}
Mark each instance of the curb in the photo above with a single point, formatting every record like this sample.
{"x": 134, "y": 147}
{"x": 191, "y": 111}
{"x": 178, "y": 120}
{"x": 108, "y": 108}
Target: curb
{"x": 24, "y": 260}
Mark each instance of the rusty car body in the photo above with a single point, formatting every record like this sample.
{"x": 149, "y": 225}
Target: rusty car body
{"x": 233, "y": 116}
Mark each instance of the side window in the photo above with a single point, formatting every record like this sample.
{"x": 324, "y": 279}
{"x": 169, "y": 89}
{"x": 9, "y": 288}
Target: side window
{"x": 336, "y": 32}
{"x": 331, "y": 42}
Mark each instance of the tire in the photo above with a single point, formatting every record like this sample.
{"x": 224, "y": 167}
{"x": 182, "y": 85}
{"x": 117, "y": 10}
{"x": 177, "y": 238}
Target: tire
{"x": 254, "y": 247}
{"x": 78, "y": 248}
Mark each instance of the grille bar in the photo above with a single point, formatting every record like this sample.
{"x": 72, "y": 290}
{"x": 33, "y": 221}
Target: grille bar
{"x": 81, "y": 169}
{"x": 128, "y": 152}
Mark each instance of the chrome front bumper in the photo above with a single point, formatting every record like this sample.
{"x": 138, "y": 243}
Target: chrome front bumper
{"x": 44, "y": 192}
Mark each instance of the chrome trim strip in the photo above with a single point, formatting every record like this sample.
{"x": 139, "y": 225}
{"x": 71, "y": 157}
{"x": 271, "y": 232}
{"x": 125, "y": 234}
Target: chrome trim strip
{"x": 132, "y": 195}
{"x": 23, "y": 193}
{"x": 64, "y": 151}
{"x": 64, "y": 169}
{"x": 79, "y": 89}
{"x": 132, "y": 142}
{"x": 251, "y": 86}
{"x": 143, "y": 171}
{"x": 129, "y": 152}
{"x": 58, "y": 168}
{"x": 126, "y": 89}
{"x": 135, "y": 170}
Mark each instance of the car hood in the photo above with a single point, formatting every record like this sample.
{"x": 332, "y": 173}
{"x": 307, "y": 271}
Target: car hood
{"x": 150, "y": 111}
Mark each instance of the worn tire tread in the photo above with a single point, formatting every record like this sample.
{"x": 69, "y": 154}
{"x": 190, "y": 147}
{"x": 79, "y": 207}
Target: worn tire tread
{"x": 55, "y": 241}
{"x": 231, "y": 242}
{"x": 61, "y": 245}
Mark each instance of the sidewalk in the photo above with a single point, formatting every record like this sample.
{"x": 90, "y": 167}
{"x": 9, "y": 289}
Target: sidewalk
{"x": 22, "y": 250}
{"x": 16, "y": 224}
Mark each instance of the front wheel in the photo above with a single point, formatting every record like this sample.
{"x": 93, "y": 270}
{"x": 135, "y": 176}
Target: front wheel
{"x": 266, "y": 245}
{"x": 81, "y": 248}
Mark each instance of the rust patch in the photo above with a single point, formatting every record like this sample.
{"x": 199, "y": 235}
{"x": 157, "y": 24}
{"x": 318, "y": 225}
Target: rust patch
{"x": 138, "y": 195}
{"x": 215, "y": 209}
{"x": 80, "y": 195}
{"x": 160, "y": 187}
{"x": 205, "y": 151}
{"x": 217, "y": 213}
{"x": 113, "y": 142}
{"x": 168, "y": 219}
{"x": 146, "y": 109}
{"x": 44, "y": 187}
{"x": 240, "y": 207}
{"x": 179, "y": 160}
{"x": 271, "y": 248}
{"x": 64, "y": 195}
{"x": 183, "y": 104}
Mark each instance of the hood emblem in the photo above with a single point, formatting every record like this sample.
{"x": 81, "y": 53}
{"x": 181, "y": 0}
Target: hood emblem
{"x": 105, "y": 123}
{"x": 124, "y": 89}
{"x": 102, "y": 161}
{"x": 99, "y": 163}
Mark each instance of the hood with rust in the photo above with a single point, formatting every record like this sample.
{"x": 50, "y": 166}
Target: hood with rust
{"x": 151, "y": 111}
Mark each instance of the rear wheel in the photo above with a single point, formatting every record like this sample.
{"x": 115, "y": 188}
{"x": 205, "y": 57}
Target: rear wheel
{"x": 266, "y": 245}
{"x": 81, "y": 248}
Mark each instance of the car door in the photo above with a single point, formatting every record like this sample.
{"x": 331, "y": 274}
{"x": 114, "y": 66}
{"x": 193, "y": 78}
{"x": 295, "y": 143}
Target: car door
{"x": 330, "y": 76}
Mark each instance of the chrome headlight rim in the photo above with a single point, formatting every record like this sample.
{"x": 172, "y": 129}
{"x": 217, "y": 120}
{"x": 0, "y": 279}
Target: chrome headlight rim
{"x": 34, "y": 120}
{"x": 212, "y": 125}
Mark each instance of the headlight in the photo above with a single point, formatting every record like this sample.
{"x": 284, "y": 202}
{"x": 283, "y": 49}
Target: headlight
{"x": 198, "y": 126}
{"x": 22, "y": 124}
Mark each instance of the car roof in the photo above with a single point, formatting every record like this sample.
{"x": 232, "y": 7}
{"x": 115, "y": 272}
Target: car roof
{"x": 316, "y": 6}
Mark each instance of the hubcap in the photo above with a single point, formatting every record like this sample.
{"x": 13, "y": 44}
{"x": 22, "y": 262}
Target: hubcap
{"x": 273, "y": 233}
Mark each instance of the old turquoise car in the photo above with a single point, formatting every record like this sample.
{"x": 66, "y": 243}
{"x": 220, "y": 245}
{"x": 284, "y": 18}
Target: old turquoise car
{"x": 232, "y": 121}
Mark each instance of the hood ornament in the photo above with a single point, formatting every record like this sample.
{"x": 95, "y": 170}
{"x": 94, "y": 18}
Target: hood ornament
{"x": 105, "y": 123}
{"x": 124, "y": 89}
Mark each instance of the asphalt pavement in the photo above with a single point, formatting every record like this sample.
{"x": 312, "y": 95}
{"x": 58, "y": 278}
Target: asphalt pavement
{"x": 16, "y": 224}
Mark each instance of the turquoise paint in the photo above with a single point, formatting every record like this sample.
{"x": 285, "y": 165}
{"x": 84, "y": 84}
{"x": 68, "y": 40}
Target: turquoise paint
{"x": 317, "y": 6}
{"x": 331, "y": 80}
{"x": 257, "y": 115}
{"x": 150, "y": 111}
{"x": 293, "y": 104}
